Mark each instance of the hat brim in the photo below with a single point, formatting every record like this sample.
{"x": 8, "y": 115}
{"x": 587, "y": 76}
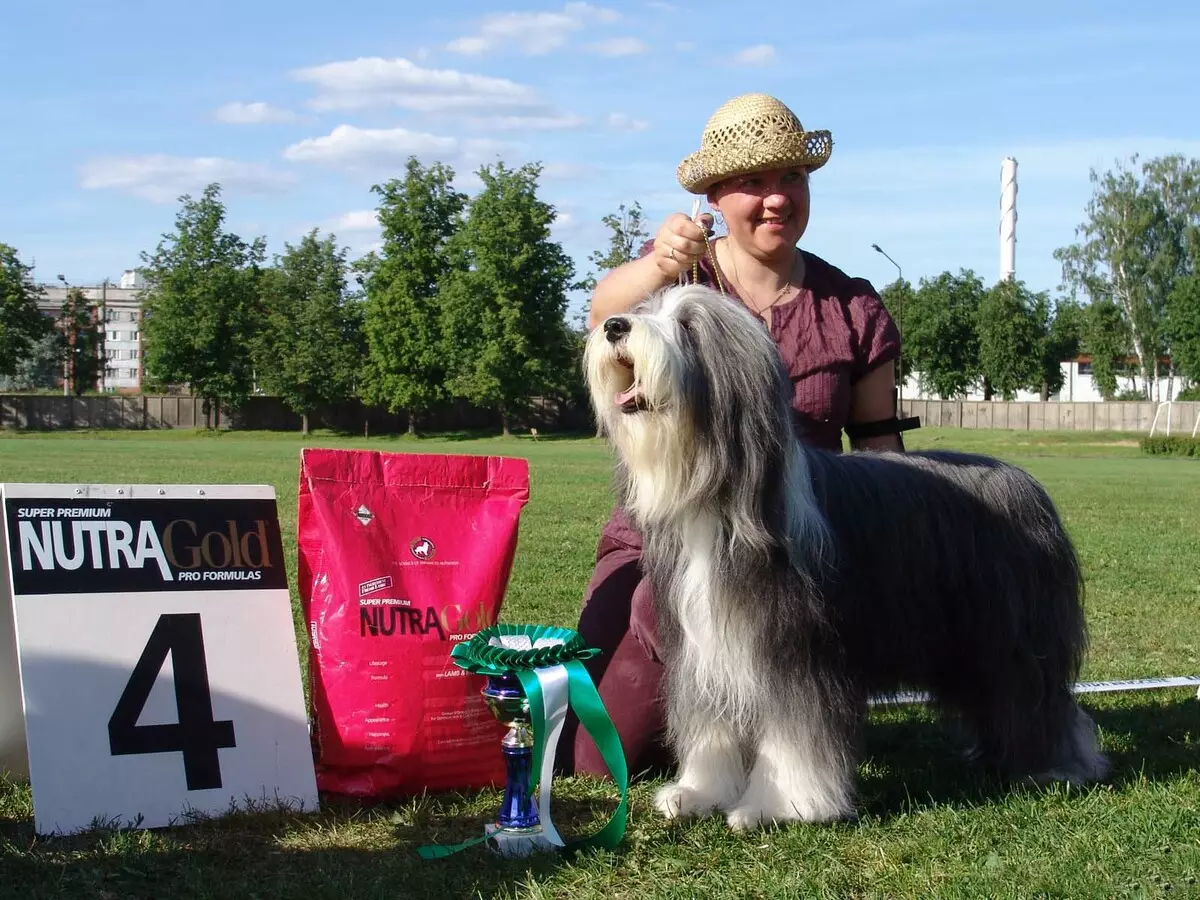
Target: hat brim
{"x": 701, "y": 170}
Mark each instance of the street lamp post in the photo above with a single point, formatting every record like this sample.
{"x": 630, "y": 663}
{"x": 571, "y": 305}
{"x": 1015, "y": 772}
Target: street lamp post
{"x": 70, "y": 348}
{"x": 900, "y": 324}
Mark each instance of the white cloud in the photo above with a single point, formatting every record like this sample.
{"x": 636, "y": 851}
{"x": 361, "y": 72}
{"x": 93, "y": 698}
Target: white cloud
{"x": 356, "y": 220}
{"x": 758, "y": 55}
{"x": 373, "y": 81}
{"x": 469, "y": 46}
{"x": 532, "y": 33}
{"x": 685, "y": 46}
{"x": 253, "y": 114}
{"x": 351, "y": 147}
{"x": 623, "y": 122}
{"x": 160, "y": 178}
{"x": 622, "y": 46}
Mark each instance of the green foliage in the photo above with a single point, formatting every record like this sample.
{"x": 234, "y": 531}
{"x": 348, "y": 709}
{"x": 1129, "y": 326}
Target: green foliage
{"x": 202, "y": 308}
{"x": 1134, "y": 248}
{"x": 1191, "y": 393}
{"x": 940, "y": 332}
{"x": 310, "y": 349}
{"x": 1105, "y": 340}
{"x": 505, "y": 300}
{"x": 40, "y": 368}
{"x": 406, "y": 361}
{"x": 627, "y": 229}
{"x": 1011, "y": 326}
{"x": 22, "y": 324}
{"x": 1171, "y": 445}
{"x": 1183, "y": 325}
{"x": 1061, "y": 334}
{"x": 82, "y": 329}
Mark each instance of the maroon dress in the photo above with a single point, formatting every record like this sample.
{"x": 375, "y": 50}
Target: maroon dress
{"x": 831, "y": 334}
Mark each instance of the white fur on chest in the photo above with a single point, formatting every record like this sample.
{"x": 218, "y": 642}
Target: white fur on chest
{"x": 717, "y": 653}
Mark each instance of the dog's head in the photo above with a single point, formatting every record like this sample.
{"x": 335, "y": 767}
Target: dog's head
{"x": 683, "y": 384}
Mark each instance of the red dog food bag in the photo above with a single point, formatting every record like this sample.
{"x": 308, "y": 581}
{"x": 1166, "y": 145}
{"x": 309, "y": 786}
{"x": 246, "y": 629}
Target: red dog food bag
{"x": 402, "y": 555}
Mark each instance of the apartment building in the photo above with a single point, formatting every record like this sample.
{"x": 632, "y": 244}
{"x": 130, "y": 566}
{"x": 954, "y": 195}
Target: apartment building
{"x": 123, "y": 366}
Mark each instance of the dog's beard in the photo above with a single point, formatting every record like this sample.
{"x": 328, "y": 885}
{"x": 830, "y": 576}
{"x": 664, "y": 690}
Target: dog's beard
{"x": 635, "y": 392}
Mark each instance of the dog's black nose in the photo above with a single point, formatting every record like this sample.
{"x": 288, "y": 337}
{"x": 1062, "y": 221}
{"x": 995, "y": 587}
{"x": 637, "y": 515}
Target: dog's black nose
{"x": 615, "y": 328}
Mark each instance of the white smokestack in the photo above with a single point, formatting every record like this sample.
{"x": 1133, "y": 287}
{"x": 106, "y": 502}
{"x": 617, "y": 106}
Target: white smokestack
{"x": 1008, "y": 217}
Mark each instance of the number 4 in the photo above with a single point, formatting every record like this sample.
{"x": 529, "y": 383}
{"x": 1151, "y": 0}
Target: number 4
{"x": 197, "y": 736}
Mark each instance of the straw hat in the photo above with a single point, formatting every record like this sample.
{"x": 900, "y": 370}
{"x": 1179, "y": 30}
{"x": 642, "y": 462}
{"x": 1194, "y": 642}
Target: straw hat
{"x": 751, "y": 133}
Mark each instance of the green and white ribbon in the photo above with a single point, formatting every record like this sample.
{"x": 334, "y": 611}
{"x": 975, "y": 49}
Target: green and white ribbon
{"x": 548, "y": 662}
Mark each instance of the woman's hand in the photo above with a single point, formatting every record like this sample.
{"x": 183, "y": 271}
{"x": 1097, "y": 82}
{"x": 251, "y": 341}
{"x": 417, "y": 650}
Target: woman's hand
{"x": 631, "y": 282}
{"x": 679, "y": 243}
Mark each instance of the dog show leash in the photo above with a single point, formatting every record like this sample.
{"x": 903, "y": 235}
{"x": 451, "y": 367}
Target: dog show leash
{"x": 712, "y": 257}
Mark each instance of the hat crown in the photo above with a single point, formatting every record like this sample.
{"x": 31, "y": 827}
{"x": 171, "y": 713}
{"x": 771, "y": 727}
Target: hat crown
{"x": 749, "y": 115}
{"x": 752, "y": 133}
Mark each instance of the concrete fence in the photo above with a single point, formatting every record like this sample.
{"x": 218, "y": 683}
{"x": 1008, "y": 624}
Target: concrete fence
{"x": 1054, "y": 415}
{"x": 43, "y": 412}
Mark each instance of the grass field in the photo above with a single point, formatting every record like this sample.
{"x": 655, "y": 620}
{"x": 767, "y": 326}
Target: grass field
{"x": 930, "y": 826}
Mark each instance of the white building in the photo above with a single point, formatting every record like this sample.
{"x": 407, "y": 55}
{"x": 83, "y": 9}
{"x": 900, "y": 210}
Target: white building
{"x": 123, "y": 366}
{"x": 1078, "y": 386}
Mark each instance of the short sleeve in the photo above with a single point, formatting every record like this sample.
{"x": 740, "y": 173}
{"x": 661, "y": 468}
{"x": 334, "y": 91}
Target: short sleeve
{"x": 877, "y": 339}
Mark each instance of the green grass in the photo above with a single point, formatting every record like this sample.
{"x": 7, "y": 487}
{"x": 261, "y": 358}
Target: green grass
{"x": 930, "y": 826}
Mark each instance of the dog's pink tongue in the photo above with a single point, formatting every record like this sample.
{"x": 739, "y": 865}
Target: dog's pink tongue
{"x": 625, "y": 396}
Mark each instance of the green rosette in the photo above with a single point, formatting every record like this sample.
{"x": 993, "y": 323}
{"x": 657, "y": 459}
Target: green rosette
{"x": 548, "y": 658}
{"x": 481, "y": 657}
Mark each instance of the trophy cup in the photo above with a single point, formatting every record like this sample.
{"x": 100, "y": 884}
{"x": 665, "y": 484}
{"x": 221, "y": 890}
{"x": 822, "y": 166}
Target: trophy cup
{"x": 517, "y": 830}
{"x": 533, "y": 674}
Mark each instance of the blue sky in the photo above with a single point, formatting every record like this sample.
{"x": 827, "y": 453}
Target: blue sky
{"x": 111, "y": 110}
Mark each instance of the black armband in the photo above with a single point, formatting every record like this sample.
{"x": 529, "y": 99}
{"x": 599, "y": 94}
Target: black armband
{"x": 855, "y": 430}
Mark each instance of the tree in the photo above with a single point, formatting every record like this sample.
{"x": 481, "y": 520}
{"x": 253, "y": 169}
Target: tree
{"x": 628, "y": 233}
{"x": 406, "y": 364}
{"x": 1106, "y": 341}
{"x": 1009, "y": 332}
{"x": 40, "y": 368}
{"x": 310, "y": 348}
{"x": 1060, "y": 329}
{"x": 1183, "y": 326}
{"x": 1176, "y": 182}
{"x": 82, "y": 329}
{"x": 202, "y": 305}
{"x": 1132, "y": 248}
{"x": 504, "y": 306}
{"x": 22, "y": 324}
{"x": 940, "y": 334}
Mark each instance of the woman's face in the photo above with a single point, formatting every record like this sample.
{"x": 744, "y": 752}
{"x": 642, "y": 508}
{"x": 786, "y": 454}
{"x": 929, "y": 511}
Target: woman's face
{"x": 765, "y": 212}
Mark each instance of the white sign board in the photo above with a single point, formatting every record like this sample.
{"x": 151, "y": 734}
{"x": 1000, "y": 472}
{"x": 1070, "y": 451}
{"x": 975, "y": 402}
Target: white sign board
{"x": 158, "y": 671}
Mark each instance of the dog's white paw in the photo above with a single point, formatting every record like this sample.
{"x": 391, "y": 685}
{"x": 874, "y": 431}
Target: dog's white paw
{"x": 678, "y": 802}
{"x": 752, "y": 812}
{"x": 746, "y": 818}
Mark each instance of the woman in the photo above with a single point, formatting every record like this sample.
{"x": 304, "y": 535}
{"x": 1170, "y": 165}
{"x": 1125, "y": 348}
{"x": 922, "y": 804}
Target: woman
{"x": 833, "y": 333}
